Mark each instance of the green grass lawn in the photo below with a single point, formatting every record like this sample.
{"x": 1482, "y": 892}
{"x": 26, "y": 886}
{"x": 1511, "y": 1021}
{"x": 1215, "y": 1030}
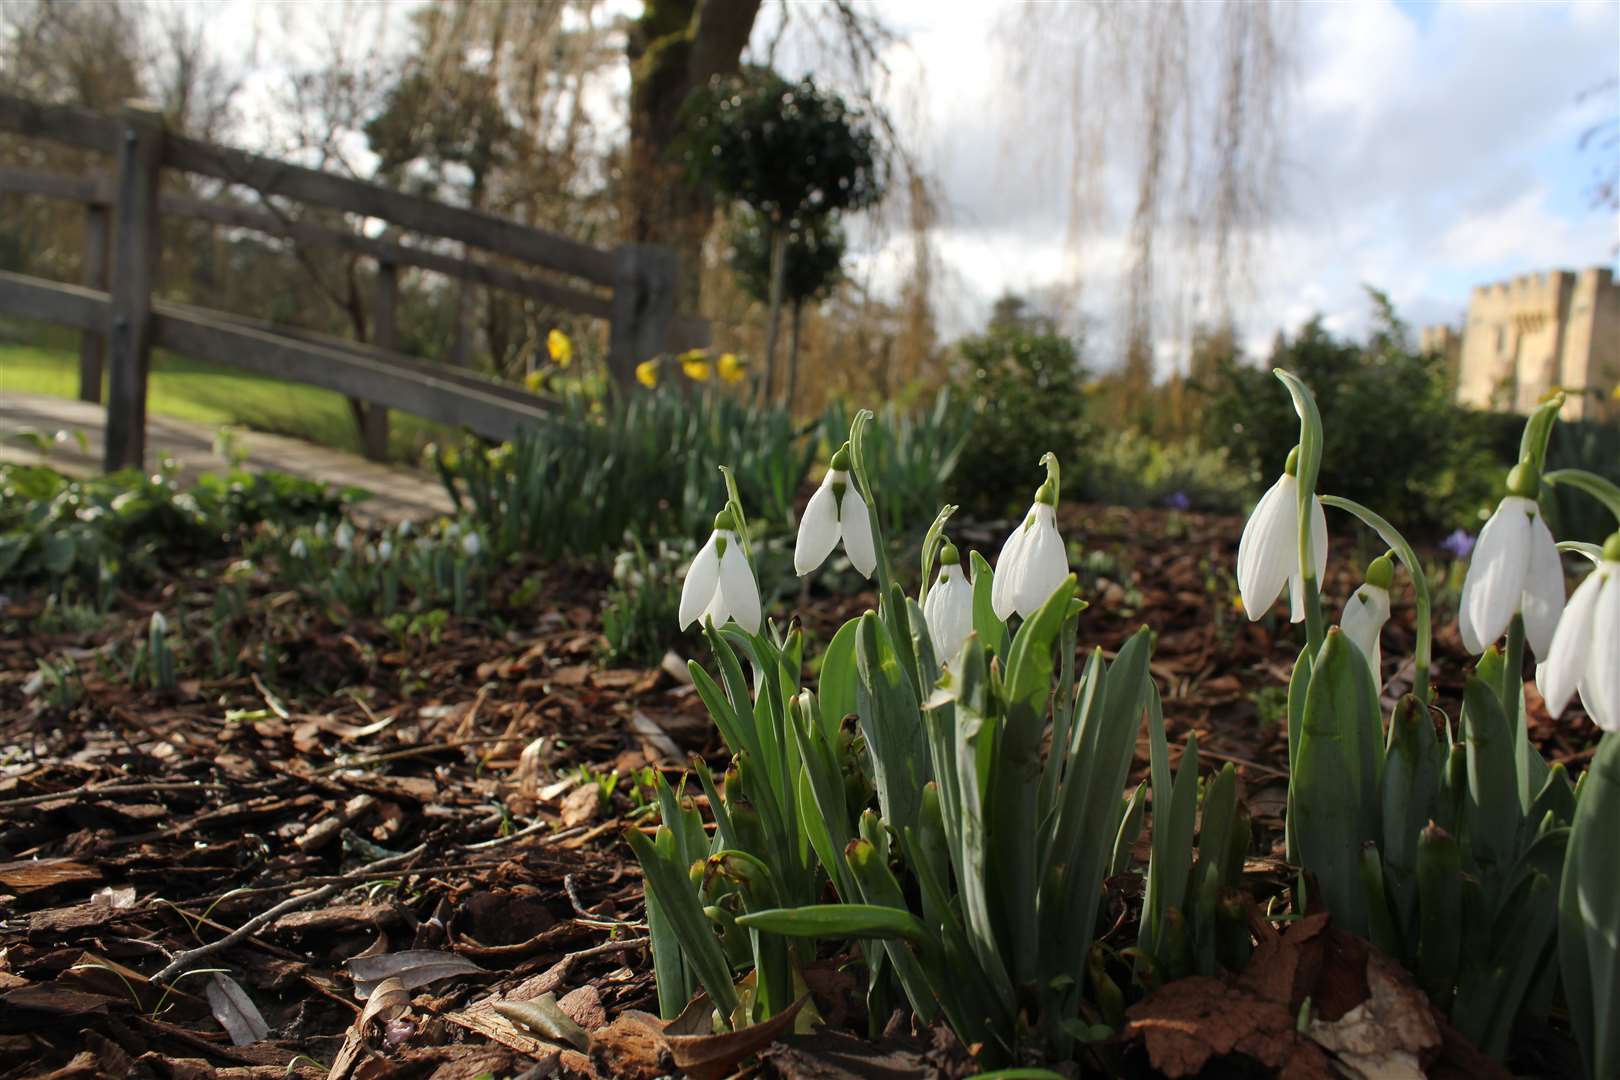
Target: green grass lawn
{"x": 189, "y": 389}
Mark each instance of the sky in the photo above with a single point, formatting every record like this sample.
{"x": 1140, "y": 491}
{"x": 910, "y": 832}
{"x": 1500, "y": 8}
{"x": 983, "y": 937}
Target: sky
{"x": 1427, "y": 147}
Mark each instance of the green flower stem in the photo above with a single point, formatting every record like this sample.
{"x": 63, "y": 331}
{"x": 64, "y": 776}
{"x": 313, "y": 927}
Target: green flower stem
{"x": 1513, "y": 671}
{"x": 1308, "y": 466}
{"x": 857, "y": 453}
{"x": 1596, "y": 486}
{"x": 1420, "y": 587}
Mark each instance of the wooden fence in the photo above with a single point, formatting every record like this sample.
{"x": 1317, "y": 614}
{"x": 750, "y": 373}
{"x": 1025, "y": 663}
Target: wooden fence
{"x": 632, "y": 286}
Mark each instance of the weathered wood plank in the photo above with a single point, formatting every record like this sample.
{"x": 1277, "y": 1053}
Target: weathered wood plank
{"x": 61, "y": 123}
{"x": 393, "y": 385}
{"x": 53, "y": 185}
{"x": 53, "y": 302}
{"x": 135, "y": 252}
{"x": 500, "y": 277}
{"x": 93, "y": 343}
{"x": 271, "y": 177}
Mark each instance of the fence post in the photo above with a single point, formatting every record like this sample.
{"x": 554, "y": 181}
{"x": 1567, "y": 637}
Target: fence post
{"x": 93, "y": 343}
{"x": 134, "y": 265}
{"x": 384, "y": 335}
{"x": 643, "y": 307}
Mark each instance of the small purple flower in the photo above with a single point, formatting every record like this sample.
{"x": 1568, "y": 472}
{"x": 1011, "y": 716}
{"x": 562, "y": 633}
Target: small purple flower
{"x": 1177, "y": 500}
{"x": 1459, "y": 544}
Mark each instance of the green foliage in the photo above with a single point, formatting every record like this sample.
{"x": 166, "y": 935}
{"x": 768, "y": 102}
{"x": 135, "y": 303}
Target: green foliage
{"x": 130, "y": 527}
{"x": 1131, "y": 469}
{"x": 786, "y": 150}
{"x": 641, "y": 608}
{"x": 646, "y": 463}
{"x": 400, "y": 572}
{"x": 813, "y": 257}
{"x": 1589, "y": 915}
{"x": 1025, "y": 383}
{"x": 1395, "y": 440}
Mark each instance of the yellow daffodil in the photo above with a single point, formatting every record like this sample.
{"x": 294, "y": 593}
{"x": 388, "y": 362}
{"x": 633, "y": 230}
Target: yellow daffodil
{"x": 560, "y": 348}
{"x": 698, "y": 369}
{"x": 730, "y": 368}
{"x": 533, "y": 381}
{"x": 647, "y": 373}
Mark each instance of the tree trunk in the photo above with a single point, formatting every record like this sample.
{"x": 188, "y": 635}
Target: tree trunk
{"x": 773, "y": 327}
{"x": 793, "y": 353}
{"x": 674, "y": 48}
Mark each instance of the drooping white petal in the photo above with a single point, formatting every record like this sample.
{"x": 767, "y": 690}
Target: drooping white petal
{"x": 702, "y": 581}
{"x": 1042, "y": 564}
{"x": 738, "y": 590}
{"x": 1603, "y": 658}
{"x": 1319, "y": 544}
{"x": 1363, "y": 621}
{"x": 818, "y": 529}
{"x": 1495, "y": 579}
{"x": 1266, "y": 555}
{"x": 1001, "y": 588}
{"x": 948, "y": 610}
{"x": 1565, "y": 662}
{"x": 1465, "y": 623}
{"x": 1543, "y": 599}
{"x": 856, "y": 526}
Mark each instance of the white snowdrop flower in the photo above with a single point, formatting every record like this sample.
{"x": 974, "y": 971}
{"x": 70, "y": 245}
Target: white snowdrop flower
{"x": 344, "y": 536}
{"x": 1033, "y": 562}
{"x": 385, "y": 551}
{"x": 1585, "y": 650}
{"x": 1515, "y": 570}
{"x": 720, "y": 584}
{"x": 471, "y": 545}
{"x": 1268, "y": 553}
{"x": 835, "y": 512}
{"x": 298, "y": 549}
{"x": 1367, "y": 611}
{"x": 405, "y": 529}
{"x": 948, "y": 607}
{"x": 320, "y": 529}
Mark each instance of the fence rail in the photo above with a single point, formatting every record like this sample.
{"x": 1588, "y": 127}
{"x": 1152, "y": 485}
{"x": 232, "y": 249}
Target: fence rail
{"x": 632, "y": 286}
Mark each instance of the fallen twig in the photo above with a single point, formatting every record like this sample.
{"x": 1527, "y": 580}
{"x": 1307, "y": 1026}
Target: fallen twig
{"x": 190, "y": 957}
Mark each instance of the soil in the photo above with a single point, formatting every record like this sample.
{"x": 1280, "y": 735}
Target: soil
{"x": 437, "y": 818}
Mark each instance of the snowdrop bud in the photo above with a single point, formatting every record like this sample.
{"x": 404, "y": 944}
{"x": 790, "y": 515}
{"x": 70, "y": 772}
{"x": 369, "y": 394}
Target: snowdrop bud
{"x": 1366, "y": 613}
{"x": 405, "y": 529}
{"x": 1585, "y": 650}
{"x": 344, "y": 536}
{"x": 1268, "y": 553}
{"x": 1515, "y": 570}
{"x": 471, "y": 545}
{"x": 385, "y": 551}
{"x": 948, "y": 608}
{"x": 298, "y": 550}
{"x": 719, "y": 585}
{"x": 1033, "y": 562}
{"x": 320, "y": 528}
{"x": 835, "y": 512}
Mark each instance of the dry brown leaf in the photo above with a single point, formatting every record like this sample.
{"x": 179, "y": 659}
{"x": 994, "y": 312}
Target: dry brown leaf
{"x": 412, "y": 968}
{"x": 28, "y": 875}
{"x": 235, "y": 1011}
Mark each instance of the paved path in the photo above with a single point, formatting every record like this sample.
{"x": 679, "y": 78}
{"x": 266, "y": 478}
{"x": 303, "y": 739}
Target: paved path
{"x": 397, "y": 493}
